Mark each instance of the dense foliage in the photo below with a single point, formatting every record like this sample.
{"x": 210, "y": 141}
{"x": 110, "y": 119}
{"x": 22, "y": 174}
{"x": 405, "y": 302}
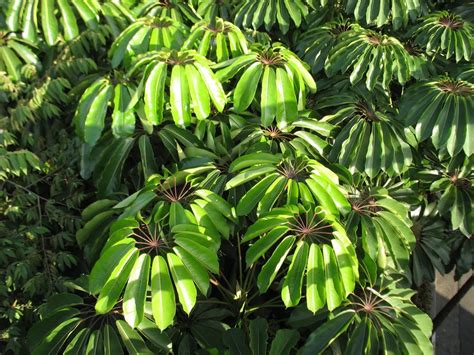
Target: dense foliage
{"x": 241, "y": 177}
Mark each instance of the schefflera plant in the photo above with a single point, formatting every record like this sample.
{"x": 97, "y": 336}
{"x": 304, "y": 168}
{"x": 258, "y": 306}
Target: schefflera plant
{"x": 180, "y": 198}
{"x": 144, "y": 35}
{"x": 446, "y": 33}
{"x": 369, "y": 54}
{"x": 90, "y": 117}
{"x": 382, "y": 226}
{"x": 315, "y": 44}
{"x": 218, "y": 40}
{"x": 141, "y": 256}
{"x": 379, "y": 317}
{"x": 173, "y": 248}
{"x": 281, "y": 75}
{"x": 192, "y": 85}
{"x": 284, "y": 180}
{"x": 371, "y": 138}
{"x": 441, "y": 110}
{"x": 321, "y": 250}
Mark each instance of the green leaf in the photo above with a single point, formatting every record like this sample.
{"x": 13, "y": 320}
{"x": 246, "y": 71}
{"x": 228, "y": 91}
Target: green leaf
{"x": 96, "y": 227}
{"x": 287, "y": 110}
{"x": 261, "y": 246}
{"x": 162, "y": 294}
{"x": 121, "y": 43}
{"x": 297, "y": 64}
{"x": 253, "y": 159}
{"x": 91, "y": 211}
{"x": 248, "y": 175}
{"x": 49, "y": 23}
{"x": 222, "y": 52}
{"x": 360, "y": 66}
{"x": 135, "y": 292}
{"x": 262, "y": 226}
{"x": 400, "y": 225}
{"x": 94, "y": 121}
{"x": 13, "y": 14}
{"x": 54, "y": 340}
{"x": 39, "y": 331}
{"x": 207, "y": 257}
{"x": 111, "y": 163}
{"x": 60, "y": 301}
{"x": 247, "y": 86}
{"x": 95, "y": 345}
{"x": 407, "y": 339}
{"x": 107, "y": 262}
{"x": 71, "y": 30}
{"x": 85, "y": 106}
{"x": 274, "y": 263}
{"x": 216, "y": 201}
{"x": 234, "y": 339}
{"x": 345, "y": 264}
{"x": 323, "y": 336}
{"x": 199, "y": 95}
{"x": 460, "y": 207}
{"x": 179, "y": 96}
{"x": 207, "y": 235}
{"x": 258, "y": 336}
{"x": 77, "y": 344}
{"x": 358, "y": 338}
{"x": 332, "y": 189}
{"x": 397, "y": 247}
{"x": 322, "y": 196}
{"x": 214, "y": 216}
{"x": 272, "y": 194}
{"x": 213, "y": 86}
{"x": 154, "y": 335}
{"x": 291, "y": 291}
{"x": 147, "y": 155}
{"x": 313, "y": 140}
{"x": 183, "y": 282}
{"x": 268, "y": 98}
{"x": 112, "y": 289}
{"x": 132, "y": 341}
{"x": 333, "y": 284}
{"x": 111, "y": 341}
{"x": 123, "y": 118}
{"x": 315, "y": 280}
{"x": 154, "y": 93}
{"x": 390, "y": 343}
{"x": 233, "y": 66}
{"x": 198, "y": 273}
{"x": 11, "y": 61}
{"x": 24, "y": 52}
{"x": 284, "y": 342}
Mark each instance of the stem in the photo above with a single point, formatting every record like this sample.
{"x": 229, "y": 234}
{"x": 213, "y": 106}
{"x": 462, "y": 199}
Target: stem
{"x": 240, "y": 261}
{"x": 222, "y": 289}
{"x": 248, "y": 277}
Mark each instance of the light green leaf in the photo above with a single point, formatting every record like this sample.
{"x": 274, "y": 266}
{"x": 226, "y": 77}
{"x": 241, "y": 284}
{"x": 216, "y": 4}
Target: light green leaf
{"x": 135, "y": 292}
{"x": 162, "y": 294}
{"x": 183, "y": 281}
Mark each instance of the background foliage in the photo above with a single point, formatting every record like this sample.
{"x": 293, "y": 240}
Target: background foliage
{"x": 231, "y": 176}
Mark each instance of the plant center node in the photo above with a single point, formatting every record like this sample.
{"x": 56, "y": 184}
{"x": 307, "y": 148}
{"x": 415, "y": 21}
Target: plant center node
{"x": 451, "y": 22}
